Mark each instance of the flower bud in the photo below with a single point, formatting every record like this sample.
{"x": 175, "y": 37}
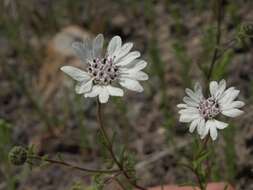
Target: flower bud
{"x": 17, "y": 155}
{"x": 247, "y": 29}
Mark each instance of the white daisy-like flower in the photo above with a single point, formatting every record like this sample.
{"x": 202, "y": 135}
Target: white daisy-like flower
{"x": 202, "y": 112}
{"x": 102, "y": 70}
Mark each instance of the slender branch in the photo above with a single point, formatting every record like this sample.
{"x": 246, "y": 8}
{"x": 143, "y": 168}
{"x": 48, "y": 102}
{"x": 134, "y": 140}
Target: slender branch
{"x": 195, "y": 172}
{"x": 58, "y": 162}
{"x": 229, "y": 45}
{"x": 101, "y": 124}
{"x": 204, "y": 146}
{"x": 110, "y": 148}
{"x": 112, "y": 177}
{"x": 216, "y": 55}
{"x": 218, "y": 38}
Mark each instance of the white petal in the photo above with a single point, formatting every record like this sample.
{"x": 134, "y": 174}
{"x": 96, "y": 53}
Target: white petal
{"x": 75, "y": 73}
{"x": 238, "y": 104}
{"x": 114, "y": 45}
{"x": 224, "y": 97}
{"x": 83, "y": 50}
{"x": 98, "y": 43}
{"x": 182, "y": 106}
{"x": 191, "y": 110}
{"x": 113, "y": 91}
{"x": 103, "y": 95}
{"x": 232, "y": 105}
{"x": 221, "y": 88}
{"x": 94, "y": 92}
{"x": 229, "y": 96}
{"x": 128, "y": 58}
{"x": 192, "y": 95}
{"x": 198, "y": 90}
{"x": 190, "y": 102}
{"x": 131, "y": 85}
{"x": 213, "y": 131}
{"x": 137, "y": 65}
{"x": 83, "y": 87}
{"x": 213, "y": 87}
{"x": 207, "y": 127}
{"x": 201, "y": 127}
{"x": 197, "y": 86}
{"x": 232, "y": 112}
{"x": 220, "y": 124}
{"x": 193, "y": 125}
{"x": 233, "y": 95}
{"x": 122, "y": 51}
{"x": 141, "y": 76}
{"x": 186, "y": 118}
{"x": 136, "y": 75}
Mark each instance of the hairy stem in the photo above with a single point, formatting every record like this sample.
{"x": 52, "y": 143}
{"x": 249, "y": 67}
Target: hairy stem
{"x": 204, "y": 143}
{"x": 215, "y": 57}
{"x": 218, "y": 39}
{"x": 109, "y": 146}
{"x": 195, "y": 172}
{"x": 59, "y": 162}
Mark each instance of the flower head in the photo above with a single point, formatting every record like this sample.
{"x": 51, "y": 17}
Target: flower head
{"x": 117, "y": 65}
{"x": 17, "y": 155}
{"x": 202, "y": 112}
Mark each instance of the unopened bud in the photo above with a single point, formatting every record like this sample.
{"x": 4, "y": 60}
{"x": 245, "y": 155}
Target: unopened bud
{"x": 247, "y": 29}
{"x": 17, "y": 155}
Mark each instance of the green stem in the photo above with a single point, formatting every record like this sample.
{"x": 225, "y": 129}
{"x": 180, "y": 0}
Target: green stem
{"x": 228, "y": 46}
{"x": 195, "y": 172}
{"x": 216, "y": 56}
{"x": 110, "y": 148}
{"x": 218, "y": 39}
{"x": 58, "y": 162}
{"x": 204, "y": 146}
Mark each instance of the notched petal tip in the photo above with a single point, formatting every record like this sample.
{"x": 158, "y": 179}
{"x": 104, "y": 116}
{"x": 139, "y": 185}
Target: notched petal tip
{"x": 140, "y": 89}
{"x": 202, "y": 136}
{"x": 146, "y": 77}
{"x": 213, "y": 87}
{"x": 220, "y": 125}
{"x": 115, "y": 91}
{"x": 117, "y": 37}
{"x": 64, "y": 68}
{"x": 222, "y": 81}
{"x": 232, "y": 112}
{"x": 102, "y": 101}
{"x": 100, "y": 35}
{"x": 131, "y": 85}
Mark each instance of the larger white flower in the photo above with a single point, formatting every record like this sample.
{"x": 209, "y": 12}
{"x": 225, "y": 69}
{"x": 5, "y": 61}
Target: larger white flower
{"x": 201, "y": 112}
{"x": 118, "y": 64}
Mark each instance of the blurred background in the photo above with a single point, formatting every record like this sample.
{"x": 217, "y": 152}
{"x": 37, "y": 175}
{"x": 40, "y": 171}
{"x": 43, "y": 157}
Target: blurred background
{"x": 38, "y": 104}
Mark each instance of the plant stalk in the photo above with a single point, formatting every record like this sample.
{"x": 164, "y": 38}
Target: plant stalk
{"x": 110, "y": 148}
{"x": 59, "y": 162}
{"x": 218, "y": 38}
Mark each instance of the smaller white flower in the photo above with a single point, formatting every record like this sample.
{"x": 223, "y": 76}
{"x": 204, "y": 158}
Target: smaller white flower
{"x": 118, "y": 65}
{"x": 201, "y": 112}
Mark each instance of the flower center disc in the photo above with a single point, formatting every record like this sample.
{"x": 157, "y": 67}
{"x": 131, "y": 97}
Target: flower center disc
{"x": 209, "y": 108}
{"x": 103, "y": 71}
